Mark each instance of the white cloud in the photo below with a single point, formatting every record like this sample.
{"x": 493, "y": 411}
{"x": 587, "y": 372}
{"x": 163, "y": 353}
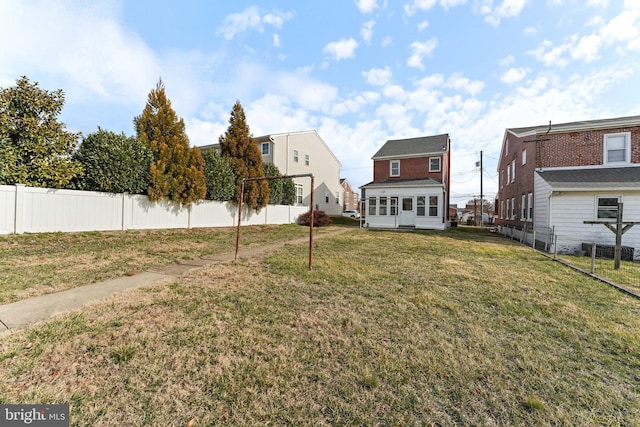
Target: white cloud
{"x": 276, "y": 40}
{"x": 84, "y": 47}
{"x": 419, "y": 51}
{"x": 250, "y": 19}
{"x": 354, "y": 104}
{"x": 456, "y": 81}
{"x": 506, "y": 61}
{"x": 423, "y": 25}
{"x": 587, "y": 48}
{"x": 514, "y": 75}
{"x": 367, "y": 6}
{"x": 598, "y": 3}
{"x": 508, "y": 9}
{"x": 424, "y": 5}
{"x": 386, "y": 41}
{"x": 378, "y": 76}
{"x": 342, "y": 49}
{"x": 530, "y": 31}
{"x": 366, "y": 32}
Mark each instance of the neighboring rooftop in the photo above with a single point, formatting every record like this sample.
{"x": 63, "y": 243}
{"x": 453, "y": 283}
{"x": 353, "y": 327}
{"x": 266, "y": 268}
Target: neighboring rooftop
{"x": 413, "y": 146}
{"x": 577, "y": 126}
{"x": 600, "y": 178}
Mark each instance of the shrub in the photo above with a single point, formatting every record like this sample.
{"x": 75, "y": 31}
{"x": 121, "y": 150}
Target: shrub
{"x": 320, "y": 218}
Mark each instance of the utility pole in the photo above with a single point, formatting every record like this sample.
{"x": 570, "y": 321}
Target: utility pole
{"x": 481, "y": 194}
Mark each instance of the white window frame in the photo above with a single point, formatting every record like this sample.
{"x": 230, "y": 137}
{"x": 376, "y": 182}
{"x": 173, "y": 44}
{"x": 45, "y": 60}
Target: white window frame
{"x": 508, "y": 174}
{"x": 262, "y": 148}
{"x": 433, "y": 206}
{"x": 513, "y": 170}
{"x": 627, "y": 147}
{"x": 524, "y": 157}
{"x": 508, "y": 211}
{"x": 299, "y": 193}
{"x": 307, "y": 159}
{"x": 382, "y": 206}
{"x": 439, "y": 168}
{"x": 501, "y": 209}
{"x": 529, "y": 206}
{"x": 502, "y": 178}
{"x": 523, "y": 208}
{"x": 393, "y": 206}
{"x": 372, "y": 206}
{"x": 295, "y": 156}
{"x": 391, "y": 167}
{"x": 421, "y": 206}
{"x": 513, "y": 208}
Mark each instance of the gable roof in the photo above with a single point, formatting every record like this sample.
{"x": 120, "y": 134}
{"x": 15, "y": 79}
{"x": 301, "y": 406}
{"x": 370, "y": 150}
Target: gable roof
{"x": 413, "y": 146}
{"x": 624, "y": 178}
{"x": 403, "y": 183}
{"x": 576, "y": 126}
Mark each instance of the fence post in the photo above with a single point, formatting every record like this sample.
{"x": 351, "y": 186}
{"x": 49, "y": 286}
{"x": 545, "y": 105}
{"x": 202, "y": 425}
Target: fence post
{"x": 18, "y": 218}
{"x": 593, "y": 258}
{"x": 533, "y": 244}
{"x": 555, "y": 247}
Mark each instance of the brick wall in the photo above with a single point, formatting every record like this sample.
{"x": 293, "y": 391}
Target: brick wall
{"x": 413, "y": 168}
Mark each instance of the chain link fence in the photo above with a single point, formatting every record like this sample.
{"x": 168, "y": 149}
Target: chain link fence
{"x": 593, "y": 255}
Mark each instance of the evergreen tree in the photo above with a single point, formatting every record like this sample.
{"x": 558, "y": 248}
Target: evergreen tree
{"x": 221, "y": 182}
{"x": 245, "y": 159}
{"x": 288, "y": 192}
{"x": 35, "y": 148}
{"x": 177, "y": 171}
{"x": 113, "y": 163}
{"x": 275, "y": 185}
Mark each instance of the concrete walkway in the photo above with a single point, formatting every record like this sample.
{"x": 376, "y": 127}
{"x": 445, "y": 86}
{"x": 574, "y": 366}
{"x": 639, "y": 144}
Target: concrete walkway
{"x": 25, "y": 313}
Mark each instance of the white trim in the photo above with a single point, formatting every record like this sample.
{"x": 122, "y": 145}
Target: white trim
{"x": 391, "y": 163}
{"x": 627, "y": 148}
{"x": 439, "y": 164}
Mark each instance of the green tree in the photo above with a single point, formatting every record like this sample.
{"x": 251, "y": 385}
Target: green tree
{"x": 35, "y": 148}
{"x": 177, "y": 171}
{"x": 288, "y": 192}
{"x": 245, "y": 159}
{"x": 276, "y": 192}
{"x": 221, "y": 182}
{"x": 114, "y": 163}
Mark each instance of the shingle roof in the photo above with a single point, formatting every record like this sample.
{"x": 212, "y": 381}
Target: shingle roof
{"x": 599, "y": 178}
{"x": 581, "y": 125}
{"x": 413, "y": 146}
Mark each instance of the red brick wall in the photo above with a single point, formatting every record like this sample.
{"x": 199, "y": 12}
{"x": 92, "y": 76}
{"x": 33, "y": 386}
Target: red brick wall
{"x": 582, "y": 148}
{"x": 414, "y": 168}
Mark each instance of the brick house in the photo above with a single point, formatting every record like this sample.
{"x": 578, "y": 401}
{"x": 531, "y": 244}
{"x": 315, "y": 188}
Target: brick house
{"x": 350, "y": 200}
{"x": 556, "y": 176}
{"x": 410, "y": 186}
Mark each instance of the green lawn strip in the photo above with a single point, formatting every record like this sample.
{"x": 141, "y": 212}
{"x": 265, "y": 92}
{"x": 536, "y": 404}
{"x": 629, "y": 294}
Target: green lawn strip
{"x": 387, "y": 329}
{"x": 35, "y": 264}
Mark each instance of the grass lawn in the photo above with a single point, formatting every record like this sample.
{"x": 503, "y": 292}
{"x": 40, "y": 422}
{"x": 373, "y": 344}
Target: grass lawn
{"x": 36, "y": 264}
{"x": 421, "y": 328}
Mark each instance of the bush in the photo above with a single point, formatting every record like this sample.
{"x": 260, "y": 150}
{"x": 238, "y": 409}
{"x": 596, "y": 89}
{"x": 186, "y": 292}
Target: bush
{"x": 320, "y": 218}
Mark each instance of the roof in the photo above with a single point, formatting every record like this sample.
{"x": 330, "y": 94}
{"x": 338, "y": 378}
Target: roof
{"x": 593, "y": 178}
{"x": 413, "y": 146}
{"x": 403, "y": 183}
{"x": 577, "y": 126}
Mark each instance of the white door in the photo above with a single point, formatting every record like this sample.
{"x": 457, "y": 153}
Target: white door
{"x": 407, "y": 212}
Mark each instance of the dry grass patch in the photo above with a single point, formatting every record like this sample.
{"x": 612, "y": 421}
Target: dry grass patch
{"x": 36, "y": 264}
{"x": 388, "y": 329}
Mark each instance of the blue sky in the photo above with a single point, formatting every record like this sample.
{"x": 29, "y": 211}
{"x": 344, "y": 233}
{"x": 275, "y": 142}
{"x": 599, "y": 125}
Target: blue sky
{"x": 357, "y": 71}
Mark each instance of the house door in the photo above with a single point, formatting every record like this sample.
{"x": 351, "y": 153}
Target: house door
{"x": 407, "y": 212}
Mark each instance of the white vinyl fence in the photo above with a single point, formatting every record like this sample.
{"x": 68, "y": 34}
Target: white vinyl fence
{"x": 35, "y": 210}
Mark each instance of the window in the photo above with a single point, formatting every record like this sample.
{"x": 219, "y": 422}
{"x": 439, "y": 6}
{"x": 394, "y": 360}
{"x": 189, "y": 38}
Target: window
{"x": 523, "y": 208}
{"x": 299, "y": 190}
{"x": 295, "y": 156}
{"x": 395, "y": 168}
{"x": 393, "y": 206}
{"x": 508, "y": 212}
{"x": 420, "y": 206}
{"x": 501, "y": 178}
{"x": 265, "y": 148}
{"x": 506, "y": 148}
{"x": 306, "y": 159}
{"x": 513, "y": 170}
{"x": 433, "y": 205}
{"x": 530, "y": 205}
{"x": 616, "y": 148}
{"x": 407, "y": 204}
{"x": 337, "y": 197}
{"x": 434, "y": 164}
{"x": 508, "y": 174}
{"x": 513, "y": 208}
{"x": 382, "y": 210}
{"x": 501, "y": 209}
{"x": 524, "y": 157}
{"x": 372, "y": 205}
{"x": 608, "y": 207}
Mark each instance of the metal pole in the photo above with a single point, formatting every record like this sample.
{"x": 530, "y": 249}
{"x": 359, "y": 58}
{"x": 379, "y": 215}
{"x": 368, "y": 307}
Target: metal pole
{"x": 239, "y": 218}
{"x": 481, "y": 194}
{"x": 618, "y": 250}
{"x": 593, "y": 258}
{"x": 311, "y": 226}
